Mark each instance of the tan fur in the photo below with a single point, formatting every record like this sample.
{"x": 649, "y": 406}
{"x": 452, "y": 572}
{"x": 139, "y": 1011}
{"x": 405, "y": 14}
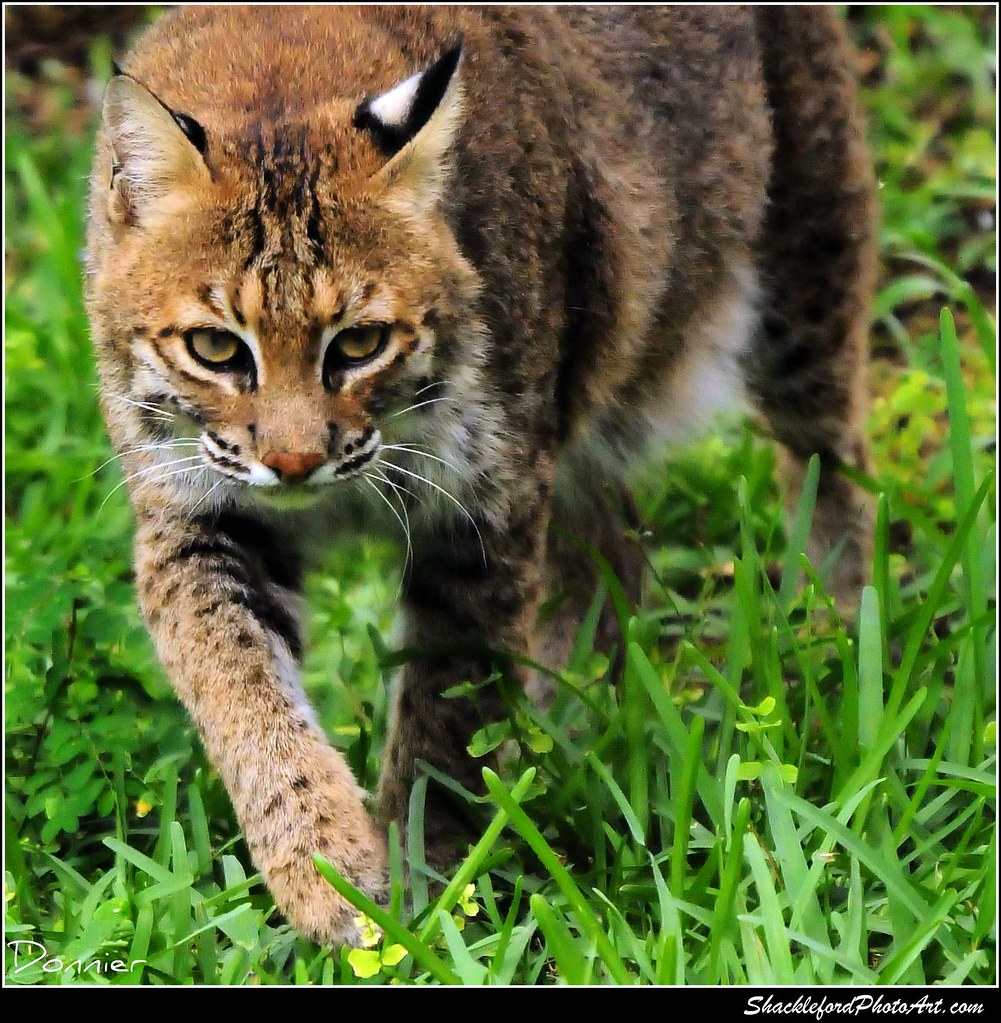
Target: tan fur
{"x": 605, "y": 221}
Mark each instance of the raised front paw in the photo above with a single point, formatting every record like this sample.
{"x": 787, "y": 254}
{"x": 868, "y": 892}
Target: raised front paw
{"x": 322, "y": 813}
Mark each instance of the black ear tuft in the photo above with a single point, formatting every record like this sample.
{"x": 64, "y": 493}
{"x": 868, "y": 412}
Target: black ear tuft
{"x": 396, "y": 116}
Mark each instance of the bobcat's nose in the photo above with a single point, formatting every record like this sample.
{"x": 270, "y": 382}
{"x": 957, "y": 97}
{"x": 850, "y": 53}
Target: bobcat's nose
{"x": 293, "y": 467}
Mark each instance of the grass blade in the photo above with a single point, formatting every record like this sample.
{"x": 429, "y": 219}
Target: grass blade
{"x": 392, "y": 927}
{"x": 585, "y": 915}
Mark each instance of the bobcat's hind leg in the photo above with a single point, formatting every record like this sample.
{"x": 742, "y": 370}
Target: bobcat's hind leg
{"x": 817, "y": 257}
{"x": 602, "y": 520}
{"x": 469, "y": 601}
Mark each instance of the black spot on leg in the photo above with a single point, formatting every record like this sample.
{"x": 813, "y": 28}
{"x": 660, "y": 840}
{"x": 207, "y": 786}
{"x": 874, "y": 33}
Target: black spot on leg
{"x": 794, "y": 359}
{"x": 211, "y": 546}
{"x": 834, "y": 245}
{"x": 774, "y": 326}
{"x": 275, "y": 804}
{"x": 301, "y": 784}
{"x": 273, "y": 617}
{"x": 280, "y": 560}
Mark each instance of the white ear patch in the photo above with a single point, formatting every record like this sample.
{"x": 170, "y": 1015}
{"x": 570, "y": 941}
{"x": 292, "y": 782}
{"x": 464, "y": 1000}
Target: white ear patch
{"x": 393, "y": 108}
{"x": 397, "y": 117}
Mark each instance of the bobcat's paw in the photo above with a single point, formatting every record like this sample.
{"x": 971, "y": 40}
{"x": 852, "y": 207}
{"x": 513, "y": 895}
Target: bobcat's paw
{"x": 318, "y": 811}
{"x": 308, "y": 900}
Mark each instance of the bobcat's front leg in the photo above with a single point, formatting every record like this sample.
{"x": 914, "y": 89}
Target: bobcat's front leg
{"x": 219, "y": 599}
{"x": 470, "y": 599}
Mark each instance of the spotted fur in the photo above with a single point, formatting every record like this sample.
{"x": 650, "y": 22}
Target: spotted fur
{"x": 457, "y": 268}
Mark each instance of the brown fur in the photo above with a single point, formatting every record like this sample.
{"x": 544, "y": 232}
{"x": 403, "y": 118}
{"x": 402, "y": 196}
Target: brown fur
{"x": 564, "y": 257}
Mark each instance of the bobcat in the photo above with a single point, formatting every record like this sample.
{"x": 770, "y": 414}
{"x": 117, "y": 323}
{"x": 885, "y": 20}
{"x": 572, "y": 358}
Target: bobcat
{"x": 452, "y": 270}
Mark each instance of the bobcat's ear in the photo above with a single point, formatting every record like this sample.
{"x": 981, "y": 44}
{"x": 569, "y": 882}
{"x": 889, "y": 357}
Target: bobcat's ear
{"x": 155, "y": 150}
{"x": 415, "y": 124}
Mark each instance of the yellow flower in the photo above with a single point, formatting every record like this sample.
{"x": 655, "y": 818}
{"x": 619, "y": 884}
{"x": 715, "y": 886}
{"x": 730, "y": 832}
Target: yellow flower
{"x": 371, "y": 933}
{"x": 466, "y": 903}
{"x": 367, "y": 962}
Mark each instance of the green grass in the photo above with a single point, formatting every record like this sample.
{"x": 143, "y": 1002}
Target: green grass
{"x": 771, "y": 796}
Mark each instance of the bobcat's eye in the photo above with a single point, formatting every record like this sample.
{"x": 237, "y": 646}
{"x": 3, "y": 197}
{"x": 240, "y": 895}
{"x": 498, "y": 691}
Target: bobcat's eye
{"x": 218, "y": 349}
{"x": 355, "y": 346}
{"x": 361, "y": 343}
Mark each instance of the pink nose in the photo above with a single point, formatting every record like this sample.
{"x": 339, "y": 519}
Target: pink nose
{"x": 293, "y": 467}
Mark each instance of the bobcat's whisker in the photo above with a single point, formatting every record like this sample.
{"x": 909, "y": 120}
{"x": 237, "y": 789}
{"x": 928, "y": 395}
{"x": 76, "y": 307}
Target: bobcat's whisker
{"x": 180, "y": 442}
{"x": 445, "y": 493}
{"x": 211, "y": 490}
{"x": 427, "y": 387}
{"x": 421, "y": 404}
{"x": 138, "y": 404}
{"x": 149, "y": 469}
{"x": 164, "y": 465}
{"x": 404, "y": 526}
{"x": 398, "y": 487}
{"x": 414, "y": 450}
{"x": 160, "y": 412}
{"x": 167, "y": 475}
{"x": 177, "y": 442}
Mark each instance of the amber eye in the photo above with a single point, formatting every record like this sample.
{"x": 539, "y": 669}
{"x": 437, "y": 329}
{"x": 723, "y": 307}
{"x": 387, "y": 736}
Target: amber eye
{"x": 218, "y": 349}
{"x": 361, "y": 343}
{"x": 354, "y": 346}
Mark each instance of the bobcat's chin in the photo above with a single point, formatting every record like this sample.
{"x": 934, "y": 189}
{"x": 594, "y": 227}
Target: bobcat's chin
{"x": 287, "y": 498}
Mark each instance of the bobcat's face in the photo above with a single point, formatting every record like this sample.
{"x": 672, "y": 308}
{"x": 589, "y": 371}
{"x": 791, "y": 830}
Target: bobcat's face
{"x": 290, "y": 369}
{"x": 282, "y": 307}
